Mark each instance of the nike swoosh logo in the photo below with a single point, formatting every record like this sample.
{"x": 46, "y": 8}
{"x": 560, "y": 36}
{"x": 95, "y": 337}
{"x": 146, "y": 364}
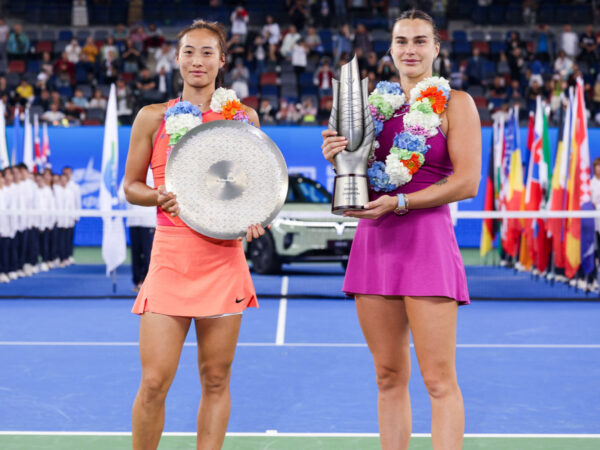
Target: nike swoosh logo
{"x": 240, "y": 300}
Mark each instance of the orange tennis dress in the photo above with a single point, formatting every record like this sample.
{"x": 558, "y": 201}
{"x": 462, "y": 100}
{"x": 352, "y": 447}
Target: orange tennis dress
{"x": 191, "y": 275}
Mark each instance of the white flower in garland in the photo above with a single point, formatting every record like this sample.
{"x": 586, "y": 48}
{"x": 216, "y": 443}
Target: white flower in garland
{"x": 437, "y": 82}
{"x": 181, "y": 118}
{"x": 221, "y": 97}
{"x": 398, "y": 172}
{"x": 418, "y": 119}
{"x": 395, "y": 101}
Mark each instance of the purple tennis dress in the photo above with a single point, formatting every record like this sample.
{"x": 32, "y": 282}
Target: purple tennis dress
{"x": 415, "y": 254}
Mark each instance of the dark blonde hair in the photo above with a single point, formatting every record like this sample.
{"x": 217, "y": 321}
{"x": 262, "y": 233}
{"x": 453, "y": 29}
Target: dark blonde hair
{"x": 215, "y": 28}
{"x": 413, "y": 14}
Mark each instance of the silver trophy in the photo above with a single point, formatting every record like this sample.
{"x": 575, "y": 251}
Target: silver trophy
{"x": 351, "y": 117}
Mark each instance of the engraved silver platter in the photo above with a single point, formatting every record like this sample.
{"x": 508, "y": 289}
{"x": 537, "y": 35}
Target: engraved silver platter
{"x": 227, "y": 175}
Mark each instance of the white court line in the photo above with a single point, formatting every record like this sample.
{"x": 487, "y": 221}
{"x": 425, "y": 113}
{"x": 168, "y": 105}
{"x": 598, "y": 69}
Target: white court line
{"x": 284, "y": 344}
{"x": 274, "y": 433}
{"x": 282, "y": 316}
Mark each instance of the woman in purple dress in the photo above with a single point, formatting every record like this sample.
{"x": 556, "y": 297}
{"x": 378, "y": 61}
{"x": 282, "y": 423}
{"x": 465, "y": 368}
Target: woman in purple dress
{"x": 405, "y": 269}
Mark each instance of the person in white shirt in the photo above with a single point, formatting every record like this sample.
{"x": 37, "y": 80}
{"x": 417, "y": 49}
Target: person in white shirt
{"x": 48, "y": 221}
{"x": 74, "y": 191}
{"x": 239, "y": 23}
{"x": 73, "y": 51}
{"x": 272, "y": 34}
{"x": 30, "y": 237}
{"x": 4, "y": 234}
{"x": 569, "y": 42}
{"x": 289, "y": 40}
{"x": 141, "y": 235}
{"x": 11, "y": 202}
{"x": 595, "y": 190}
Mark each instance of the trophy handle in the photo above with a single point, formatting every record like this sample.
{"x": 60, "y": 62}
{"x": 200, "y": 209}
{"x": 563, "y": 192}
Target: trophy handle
{"x": 333, "y": 118}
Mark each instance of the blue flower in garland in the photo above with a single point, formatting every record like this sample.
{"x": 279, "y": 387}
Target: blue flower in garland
{"x": 378, "y": 126}
{"x": 411, "y": 142}
{"x": 183, "y": 108}
{"x": 380, "y": 181}
{"x": 388, "y": 87}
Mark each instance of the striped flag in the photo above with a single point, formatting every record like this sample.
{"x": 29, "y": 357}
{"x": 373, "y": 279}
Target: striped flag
{"x": 36, "y": 144}
{"x": 487, "y": 229}
{"x": 28, "y": 143}
{"x": 17, "y": 144}
{"x": 45, "y": 147}
{"x": 4, "y": 160}
{"x": 558, "y": 190}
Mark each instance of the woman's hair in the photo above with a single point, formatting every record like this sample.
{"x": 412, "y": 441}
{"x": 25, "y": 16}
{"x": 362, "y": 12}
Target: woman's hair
{"x": 215, "y": 28}
{"x": 413, "y": 14}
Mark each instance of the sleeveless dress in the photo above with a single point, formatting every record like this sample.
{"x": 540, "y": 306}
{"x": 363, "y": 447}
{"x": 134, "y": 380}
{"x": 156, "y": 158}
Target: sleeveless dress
{"x": 191, "y": 275}
{"x": 415, "y": 254}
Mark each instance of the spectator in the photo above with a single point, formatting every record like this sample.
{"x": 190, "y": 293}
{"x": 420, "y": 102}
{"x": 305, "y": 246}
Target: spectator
{"x": 516, "y": 62}
{"x": 341, "y": 12}
{"x": 475, "y": 69}
{"x": 79, "y": 100}
{"x": 513, "y": 41}
{"x": 497, "y": 92}
{"x": 563, "y": 65}
{"x": 4, "y": 34}
{"x": 259, "y": 54}
{"x": 120, "y": 36}
{"x": 56, "y": 98}
{"x": 235, "y": 47}
{"x": 272, "y": 34}
{"x": 124, "y": 102}
{"x": 46, "y": 70}
{"x": 324, "y": 77}
{"x": 240, "y": 76}
{"x": 64, "y": 71}
{"x": 146, "y": 88}
{"x": 342, "y": 43}
{"x": 154, "y": 38}
{"x": 97, "y": 101}
{"x": 166, "y": 63}
{"x": 24, "y": 92}
{"x": 515, "y": 94}
{"x": 298, "y": 14}
{"x": 371, "y": 62}
{"x": 385, "y": 68}
{"x": 43, "y": 100}
{"x": 73, "y": 113}
{"x": 535, "y": 90}
{"x": 442, "y": 66}
{"x": 544, "y": 43}
{"x": 266, "y": 112}
{"x": 108, "y": 47}
{"x": 313, "y": 41}
{"x": 73, "y": 51}
{"x": 362, "y": 39}
{"x": 308, "y": 112}
{"x": 288, "y": 113}
{"x": 90, "y": 50}
{"x": 131, "y": 58}
{"x": 18, "y": 43}
{"x": 239, "y": 23}
{"x": 53, "y": 116}
{"x": 138, "y": 37}
{"x": 322, "y": 12}
{"x": 569, "y": 42}
{"x": 289, "y": 40}
{"x": 529, "y": 11}
{"x": 556, "y": 96}
{"x": 588, "y": 44}
{"x": 299, "y": 58}
{"x": 110, "y": 66}
{"x": 503, "y": 68}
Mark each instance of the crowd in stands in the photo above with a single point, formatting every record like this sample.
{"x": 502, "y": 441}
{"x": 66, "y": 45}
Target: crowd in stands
{"x": 36, "y": 243}
{"x": 282, "y": 63}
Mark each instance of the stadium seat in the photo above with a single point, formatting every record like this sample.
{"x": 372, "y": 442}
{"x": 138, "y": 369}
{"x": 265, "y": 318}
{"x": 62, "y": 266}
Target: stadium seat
{"x": 105, "y": 89}
{"x": 66, "y": 92}
{"x": 459, "y": 35}
{"x": 323, "y": 101}
{"x": 288, "y": 79}
{"x": 269, "y": 79}
{"x": 289, "y": 90}
{"x": 33, "y": 66}
{"x": 86, "y": 90}
{"x": 251, "y": 101}
{"x": 95, "y": 114}
{"x": 480, "y": 102}
{"x": 478, "y": 35}
{"x": 60, "y": 46}
{"x": 101, "y": 35}
{"x": 48, "y": 35}
{"x": 12, "y": 80}
{"x": 16, "y": 66}
{"x": 82, "y": 34}
{"x": 43, "y": 46}
{"x": 483, "y": 47}
{"x": 65, "y": 35}
{"x": 306, "y": 79}
{"x": 380, "y": 47}
{"x": 270, "y": 90}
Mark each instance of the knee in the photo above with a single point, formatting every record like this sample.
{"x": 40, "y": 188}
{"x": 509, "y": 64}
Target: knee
{"x": 390, "y": 378}
{"x": 214, "y": 378}
{"x": 440, "y": 384}
{"x": 153, "y": 388}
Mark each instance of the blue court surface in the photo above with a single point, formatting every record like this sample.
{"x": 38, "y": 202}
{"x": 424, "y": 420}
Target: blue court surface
{"x": 69, "y": 361}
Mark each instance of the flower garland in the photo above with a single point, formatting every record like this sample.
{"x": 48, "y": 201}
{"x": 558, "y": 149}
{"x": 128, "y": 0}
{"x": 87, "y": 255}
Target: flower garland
{"x": 428, "y": 99}
{"x": 183, "y": 116}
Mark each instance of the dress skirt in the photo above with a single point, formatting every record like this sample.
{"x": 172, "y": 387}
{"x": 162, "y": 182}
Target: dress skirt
{"x": 192, "y": 275}
{"x": 411, "y": 255}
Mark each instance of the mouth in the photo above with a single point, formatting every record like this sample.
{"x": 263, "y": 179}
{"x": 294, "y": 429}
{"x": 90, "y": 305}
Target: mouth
{"x": 197, "y": 73}
{"x": 410, "y": 62}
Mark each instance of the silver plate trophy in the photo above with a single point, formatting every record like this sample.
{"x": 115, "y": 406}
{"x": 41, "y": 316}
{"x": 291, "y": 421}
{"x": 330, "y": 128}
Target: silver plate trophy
{"x": 351, "y": 117}
{"x": 227, "y": 175}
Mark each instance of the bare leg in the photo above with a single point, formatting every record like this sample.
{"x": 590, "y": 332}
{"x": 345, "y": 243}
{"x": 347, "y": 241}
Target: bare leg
{"x": 385, "y": 326}
{"x": 161, "y": 340}
{"x": 217, "y": 340}
{"x": 433, "y": 325}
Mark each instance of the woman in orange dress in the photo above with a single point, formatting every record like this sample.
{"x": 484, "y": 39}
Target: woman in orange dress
{"x": 191, "y": 276}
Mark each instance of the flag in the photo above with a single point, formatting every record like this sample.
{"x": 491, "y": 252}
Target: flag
{"x": 512, "y": 185}
{"x": 36, "y": 144}
{"x": 579, "y": 242}
{"x": 28, "y": 143}
{"x": 558, "y": 190}
{"x": 487, "y": 229}
{"x": 17, "y": 144}
{"x": 113, "y": 230}
{"x": 45, "y": 147}
{"x": 4, "y": 160}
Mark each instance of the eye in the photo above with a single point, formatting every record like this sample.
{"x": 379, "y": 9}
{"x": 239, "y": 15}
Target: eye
{"x": 207, "y": 53}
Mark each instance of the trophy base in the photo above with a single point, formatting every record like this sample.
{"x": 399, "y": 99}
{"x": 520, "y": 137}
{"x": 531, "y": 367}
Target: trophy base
{"x": 350, "y": 193}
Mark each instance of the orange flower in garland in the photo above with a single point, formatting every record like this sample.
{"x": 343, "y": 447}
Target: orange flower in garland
{"x": 436, "y": 97}
{"x": 230, "y": 108}
{"x": 413, "y": 164}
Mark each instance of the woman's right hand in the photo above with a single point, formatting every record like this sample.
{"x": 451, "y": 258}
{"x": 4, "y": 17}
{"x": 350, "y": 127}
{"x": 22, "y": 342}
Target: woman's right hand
{"x": 167, "y": 201}
{"x": 332, "y": 144}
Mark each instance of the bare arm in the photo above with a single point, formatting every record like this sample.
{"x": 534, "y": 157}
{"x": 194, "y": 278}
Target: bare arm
{"x": 252, "y": 116}
{"x": 138, "y": 158}
{"x": 464, "y": 148}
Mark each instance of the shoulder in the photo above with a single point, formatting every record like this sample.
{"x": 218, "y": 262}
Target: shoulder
{"x": 151, "y": 115}
{"x": 459, "y": 103}
{"x": 252, "y": 115}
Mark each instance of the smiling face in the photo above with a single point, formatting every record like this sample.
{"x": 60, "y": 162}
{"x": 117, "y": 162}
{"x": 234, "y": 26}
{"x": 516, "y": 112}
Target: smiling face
{"x": 200, "y": 58}
{"x": 413, "y": 47}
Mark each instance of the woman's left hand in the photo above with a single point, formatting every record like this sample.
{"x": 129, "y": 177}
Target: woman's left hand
{"x": 376, "y": 208}
{"x": 254, "y": 232}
